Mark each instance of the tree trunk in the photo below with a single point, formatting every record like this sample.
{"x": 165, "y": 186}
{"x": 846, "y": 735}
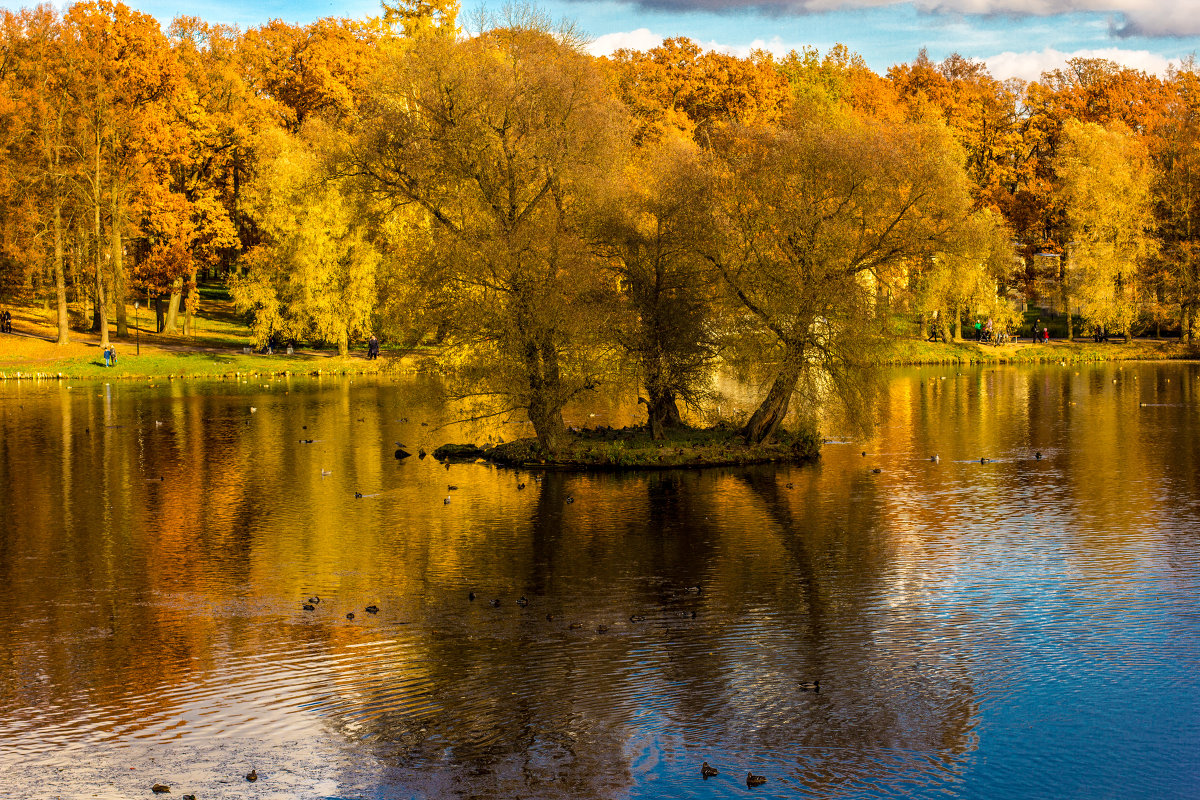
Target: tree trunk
{"x": 118, "y": 265}
{"x": 924, "y": 326}
{"x": 173, "y": 306}
{"x": 191, "y": 302}
{"x": 545, "y": 407}
{"x": 774, "y": 407}
{"x": 101, "y": 302}
{"x": 661, "y": 408}
{"x": 958, "y": 324}
{"x": 160, "y": 315}
{"x": 343, "y": 343}
{"x": 60, "y": 282}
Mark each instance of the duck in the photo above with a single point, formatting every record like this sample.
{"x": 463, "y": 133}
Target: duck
{"x": 520, "y": 486}
{"x": 252, "y": 775}
{"x": 522, "y": 602}
{"x": 309, "y": 607}
{"x": 574, "y": 626}
{"x": 253, "y": 409}
{"x": 350, "y": 615}
{"x": 372, "y": 609}
{"x": 1038, "y": 455}
{"x": 707, "y": 772}
{"x": 935, "y": 458}
{"x": 811, "y": 686}
{"x": 984, "y": 460}
{"x": 601, "y": 629}
{"x": 636, "y": 618}
{"x": 358, "y": 495}
{"x": 326, "y": 472}
{"x": 314, "y": 599}
{"x": 877, "y": 470}
{"x": 789, "y": 486}
{"x": 450, "y": 487}
{"x": 570, "y": 499}
{"x": 496, "y": 603}
{"x": 549, "y": 618}
{"x": 446, "y": 501}
{"x": 160, "y": 788}
{"x": 754, "y": 780}
{"x": 471, "y": 596}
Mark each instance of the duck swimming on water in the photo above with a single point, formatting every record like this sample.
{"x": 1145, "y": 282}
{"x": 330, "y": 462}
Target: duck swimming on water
{"x": 754, "y": 780}
{"x": 707, "y": 772}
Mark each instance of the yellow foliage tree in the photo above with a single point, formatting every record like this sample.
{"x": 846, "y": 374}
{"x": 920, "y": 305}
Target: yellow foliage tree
{"x": 1104, "y": 180}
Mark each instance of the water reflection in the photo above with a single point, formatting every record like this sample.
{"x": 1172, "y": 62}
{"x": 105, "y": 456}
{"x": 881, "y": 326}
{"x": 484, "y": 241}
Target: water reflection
{"x": 966, "y": 619}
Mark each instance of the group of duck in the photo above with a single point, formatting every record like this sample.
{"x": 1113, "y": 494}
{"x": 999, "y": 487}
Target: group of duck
{"x": 162, "y": 788}
{"x": 311, "y": 605}
{"x": 707, "y": 771}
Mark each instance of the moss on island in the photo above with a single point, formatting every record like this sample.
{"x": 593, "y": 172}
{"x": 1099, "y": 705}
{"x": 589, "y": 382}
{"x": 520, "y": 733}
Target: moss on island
{"x": 634, "y": 448}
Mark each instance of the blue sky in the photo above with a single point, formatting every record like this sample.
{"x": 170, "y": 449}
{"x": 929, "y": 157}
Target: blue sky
{"x": 1017, "y": 38}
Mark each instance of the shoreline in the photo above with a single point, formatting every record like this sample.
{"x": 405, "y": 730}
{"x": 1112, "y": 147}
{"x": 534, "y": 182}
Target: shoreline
{"x": 30, "y": 352}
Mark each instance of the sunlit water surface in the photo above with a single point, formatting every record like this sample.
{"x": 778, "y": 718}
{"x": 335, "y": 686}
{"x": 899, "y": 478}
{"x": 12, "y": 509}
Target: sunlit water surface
{"x": 1016, "y": 628}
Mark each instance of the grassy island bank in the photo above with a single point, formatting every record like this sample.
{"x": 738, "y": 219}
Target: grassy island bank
{"x": 633, "y": 448}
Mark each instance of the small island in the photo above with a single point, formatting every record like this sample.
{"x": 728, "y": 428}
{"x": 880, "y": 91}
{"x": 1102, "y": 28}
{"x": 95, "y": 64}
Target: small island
{"x": 634, "y": 447}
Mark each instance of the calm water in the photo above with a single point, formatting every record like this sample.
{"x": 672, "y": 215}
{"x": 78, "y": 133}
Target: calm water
{"x": 1019, "y": 628}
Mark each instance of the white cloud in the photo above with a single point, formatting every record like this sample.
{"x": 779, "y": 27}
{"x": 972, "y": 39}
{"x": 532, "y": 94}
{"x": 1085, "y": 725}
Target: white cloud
{"x": 609, "y": 43}
{"x": 1030, "y": 65}
{"x": 1130, "y": 17}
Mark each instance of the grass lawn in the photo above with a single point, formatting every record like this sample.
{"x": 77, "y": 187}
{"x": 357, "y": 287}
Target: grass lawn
{"x": 215, "y": 349}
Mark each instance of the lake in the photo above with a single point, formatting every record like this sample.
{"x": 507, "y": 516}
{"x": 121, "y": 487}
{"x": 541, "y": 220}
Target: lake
{"x": 1015, "y": 627}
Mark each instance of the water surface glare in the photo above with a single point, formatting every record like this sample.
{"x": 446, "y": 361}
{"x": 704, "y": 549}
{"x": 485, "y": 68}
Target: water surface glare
{"x": 985, "y": 625}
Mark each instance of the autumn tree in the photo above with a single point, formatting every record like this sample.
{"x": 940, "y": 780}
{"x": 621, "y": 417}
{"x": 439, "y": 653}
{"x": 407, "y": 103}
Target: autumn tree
{"x": 1104, "y": 181}
{"x": 678, "y": 86}
{"x": 35, "y": 75}
{"x": 319, "y": 69}
{"x": 981, "y": 112}
{"x": 649, "y": 234}
{"x": 123, "y": 72}
{"x": 965, "y": 274}
{"x": 313, "y": 275}
{"x": 812, "y": 219}
{"x": 839, "y": 79}
{"x": 502, "y": 139}
{"x": 1175, "y": 150}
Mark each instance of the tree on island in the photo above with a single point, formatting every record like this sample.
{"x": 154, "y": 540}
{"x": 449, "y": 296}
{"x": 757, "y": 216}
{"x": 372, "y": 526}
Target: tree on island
{"x": 503, "y": 139}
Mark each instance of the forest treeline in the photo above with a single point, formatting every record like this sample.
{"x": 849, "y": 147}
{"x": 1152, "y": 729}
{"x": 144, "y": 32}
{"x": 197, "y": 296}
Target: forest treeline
{"x": 559, "y": 222}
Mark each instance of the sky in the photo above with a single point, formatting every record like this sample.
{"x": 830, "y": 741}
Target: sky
{"x": 1016, "y": 38}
